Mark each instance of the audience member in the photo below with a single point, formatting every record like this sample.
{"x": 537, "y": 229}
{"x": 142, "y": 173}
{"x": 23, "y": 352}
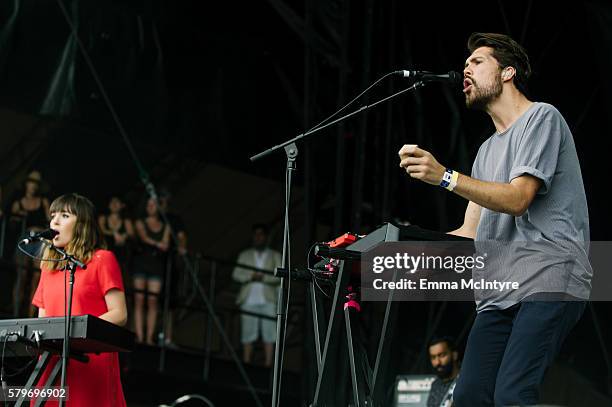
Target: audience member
{"x": 258, "y": 294}
{"x": 149, "y": 267}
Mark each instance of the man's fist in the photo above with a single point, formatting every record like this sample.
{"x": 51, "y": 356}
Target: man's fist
{"x": 420, "y": 164}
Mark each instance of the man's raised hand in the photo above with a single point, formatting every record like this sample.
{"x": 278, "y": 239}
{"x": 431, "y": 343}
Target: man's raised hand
{"x": 421, "y": 164}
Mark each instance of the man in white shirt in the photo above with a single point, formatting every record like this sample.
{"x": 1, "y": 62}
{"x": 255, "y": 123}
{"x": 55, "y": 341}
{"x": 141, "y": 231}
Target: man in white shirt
{"x": 258, "y": 294}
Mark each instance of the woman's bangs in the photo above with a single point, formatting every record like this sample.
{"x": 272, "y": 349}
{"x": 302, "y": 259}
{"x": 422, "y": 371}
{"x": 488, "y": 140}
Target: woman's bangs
{"x": 64, "y": 203}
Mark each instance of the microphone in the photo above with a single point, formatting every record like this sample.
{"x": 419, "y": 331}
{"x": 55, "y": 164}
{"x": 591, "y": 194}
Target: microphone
{"x": 451, "y": 77}
{"x": 45, "y": 234}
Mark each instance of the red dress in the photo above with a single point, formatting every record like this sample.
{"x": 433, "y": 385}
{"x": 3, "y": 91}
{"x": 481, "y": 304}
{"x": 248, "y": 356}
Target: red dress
{"x": 96, "y": 383}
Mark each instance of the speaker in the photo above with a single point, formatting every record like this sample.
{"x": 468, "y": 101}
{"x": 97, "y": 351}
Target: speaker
{"x": 412, "y": 390}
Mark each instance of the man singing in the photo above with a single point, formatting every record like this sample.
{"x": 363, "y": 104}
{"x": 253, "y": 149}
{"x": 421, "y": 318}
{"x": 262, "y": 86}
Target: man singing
{"x": 525, "y": 189}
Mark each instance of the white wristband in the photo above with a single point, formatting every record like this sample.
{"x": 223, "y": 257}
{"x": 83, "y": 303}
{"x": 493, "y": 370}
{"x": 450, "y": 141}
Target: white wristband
{"x": 449, "y": 179}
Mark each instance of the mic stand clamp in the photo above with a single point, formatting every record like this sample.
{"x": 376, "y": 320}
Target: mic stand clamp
{"x": 296, "y": 274}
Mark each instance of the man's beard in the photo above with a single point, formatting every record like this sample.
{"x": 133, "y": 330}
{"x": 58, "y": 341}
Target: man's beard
{"x": 444, "y": 371}
{"x": 482, "y": 96}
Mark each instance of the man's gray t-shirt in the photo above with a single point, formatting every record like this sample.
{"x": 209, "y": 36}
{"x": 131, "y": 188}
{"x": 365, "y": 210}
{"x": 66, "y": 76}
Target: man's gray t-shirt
{"x": 546, "y": 249}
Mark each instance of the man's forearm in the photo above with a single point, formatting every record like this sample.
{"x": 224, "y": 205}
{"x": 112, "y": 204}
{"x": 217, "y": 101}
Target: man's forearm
{"x": 495, "y": 196}
{"x": 512, "y": 198}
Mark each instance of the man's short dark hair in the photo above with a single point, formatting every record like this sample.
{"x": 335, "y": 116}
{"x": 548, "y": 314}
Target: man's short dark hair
{"x": 507, "y": 52}
{"x": 260, "y": 226}
{"x": 449, "y": 340}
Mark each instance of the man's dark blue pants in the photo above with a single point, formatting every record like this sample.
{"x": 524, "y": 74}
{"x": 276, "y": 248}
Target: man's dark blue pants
{"x": 509, "y": 350}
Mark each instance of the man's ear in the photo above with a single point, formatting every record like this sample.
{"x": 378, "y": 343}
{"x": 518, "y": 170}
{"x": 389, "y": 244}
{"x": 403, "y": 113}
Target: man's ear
{"x": 508, "y": 73}
{"x": 455, "y": 356}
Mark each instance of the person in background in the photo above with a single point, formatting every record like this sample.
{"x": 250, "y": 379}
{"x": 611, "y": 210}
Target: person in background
{"x": 149, "y": 268}
{"x": 30, "y": 213}
{"x": 175, "y": 221}
{"x": 98, "y": 291}
{"x": 258, "y": 294}
{"x": 444, "y": 360}
{"x": 117, "y": 230}
{"x": 177, "y": 261}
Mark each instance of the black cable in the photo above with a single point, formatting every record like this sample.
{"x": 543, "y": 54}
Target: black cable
{"x": 188, "y": 397}
{"x": 21, "y": 369}
{"x": 315, "y": 278}
{"x": 321, "y": 125}
{"x": 351, "y": 102}
{"x": 313, "y": 272}
{"x": 310, "y": 252}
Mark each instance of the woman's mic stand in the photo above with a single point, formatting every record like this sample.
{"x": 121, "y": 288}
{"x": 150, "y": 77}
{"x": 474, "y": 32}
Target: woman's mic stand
{"x": 73, "y": 263}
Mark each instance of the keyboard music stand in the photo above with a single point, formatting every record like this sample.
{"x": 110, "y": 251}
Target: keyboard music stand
{"x": 363, "y": 378}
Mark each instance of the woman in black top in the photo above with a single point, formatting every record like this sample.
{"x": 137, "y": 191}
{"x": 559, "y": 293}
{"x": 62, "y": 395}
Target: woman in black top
{"x": 149, "y": 267}
{"x": 32, "y": 209}
{"x": 117, "y": 230}
{"x": 30, "y": 213}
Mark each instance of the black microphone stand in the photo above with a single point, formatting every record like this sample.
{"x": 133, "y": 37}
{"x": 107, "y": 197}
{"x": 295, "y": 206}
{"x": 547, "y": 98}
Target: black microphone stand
{"x": 291, "y": 151}
{"x": 73, "y": 263}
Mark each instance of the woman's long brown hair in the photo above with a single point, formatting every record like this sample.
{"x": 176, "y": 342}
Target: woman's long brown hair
{"x": 87, "y": 236}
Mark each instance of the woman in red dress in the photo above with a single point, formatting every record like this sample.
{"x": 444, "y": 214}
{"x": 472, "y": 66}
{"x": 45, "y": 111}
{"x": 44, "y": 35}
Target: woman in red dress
{"x": 98, "y": 291}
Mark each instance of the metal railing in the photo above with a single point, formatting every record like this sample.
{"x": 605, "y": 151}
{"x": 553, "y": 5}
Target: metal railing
{"x": 180, "y": 302}
{"x": 183, "y": 299}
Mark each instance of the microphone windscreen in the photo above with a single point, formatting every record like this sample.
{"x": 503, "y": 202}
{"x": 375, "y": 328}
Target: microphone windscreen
{"x": 48, "y": 234}
{"x": 455, "y": 78}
